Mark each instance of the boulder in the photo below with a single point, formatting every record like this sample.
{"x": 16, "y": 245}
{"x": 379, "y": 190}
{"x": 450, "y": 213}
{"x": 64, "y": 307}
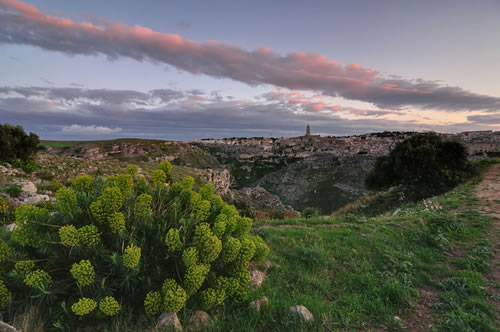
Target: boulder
{"x": 169, "y": 320}
{"x": 200, "y": 320}
{"x": 259, "y": 302}
{"x": 35, "y": 199}
{"x": 29, "y": 188}
{"x": 257, "y": 279}
{"x": 302, "y": 312}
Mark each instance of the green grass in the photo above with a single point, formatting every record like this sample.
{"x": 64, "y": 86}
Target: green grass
{"x": 54, "y": 144}
{"x": 358, "y": 273}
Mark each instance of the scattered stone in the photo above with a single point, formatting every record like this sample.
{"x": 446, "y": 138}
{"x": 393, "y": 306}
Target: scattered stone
{"x": 200, "y": 320}
{"x": 35, "y": 199}
{"x": 257, "y": 279}
{"x": 259, "y": 302}
{"x": 11, "y": 227}
{"x": 302, "y": 311}
{"x": 169, "y": 320}
{"x": 29, "y": 188}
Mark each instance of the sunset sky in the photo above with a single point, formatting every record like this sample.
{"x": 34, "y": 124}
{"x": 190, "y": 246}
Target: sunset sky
{"x": 182, "y": 70}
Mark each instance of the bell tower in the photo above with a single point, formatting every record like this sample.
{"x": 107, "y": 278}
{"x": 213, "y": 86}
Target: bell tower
{"x": 308, "y": 130}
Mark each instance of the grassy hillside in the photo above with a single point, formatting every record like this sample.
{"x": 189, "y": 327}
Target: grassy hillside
{"x": 422, "y": 268}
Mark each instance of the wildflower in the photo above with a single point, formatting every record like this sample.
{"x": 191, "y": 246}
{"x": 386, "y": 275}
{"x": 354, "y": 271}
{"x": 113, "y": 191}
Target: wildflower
{"x": 159, "y": 178}
{"x": 24, "y": 267}
{"x": 132, "y": 170}
{"x": 82, "y": 183}
{"x": 4, "y": 250}
{"x": 89, "y": 235}
{"x": 174, "y": 296}
{"x": 109, "y": 306}
{"x": 84, "y": 306}
{"x": 152, "y": 303}
{"x": 190, "y": 257}
{"x": 143, "y": 205}
{"x": 4, "y": 295}
{"x": 66, "y": 202}
{"x": 69, "y": 236}
{"x": 131, "y": 256}
{"x": 38, "y": 279}
{"x": 231, "y": 249}
{"x": 117, "y": 222}
{"x": 165, "y": 166}
{"x": 172, "y": 240}
{"x": 83, "y": 272}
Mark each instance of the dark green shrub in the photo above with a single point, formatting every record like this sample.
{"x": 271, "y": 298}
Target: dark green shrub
{"x": 28, "y": 166}
{"x": 15, "y": 143}
{"x": 425, "y": 164}
{"x": 14, "y": 191}
{"x": 111, "y": 250}
{"x": 309, "y": 212}
{"x": 277, "y": 214}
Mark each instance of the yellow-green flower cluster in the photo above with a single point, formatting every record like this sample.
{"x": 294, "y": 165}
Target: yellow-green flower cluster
{"x": 24, "y": 267}
{"x": 66, "y": 202}
{"x": 109, "y": 202}
{"x": 153, "y": 303}
{"x": 109, "y": 306}
{"x": 165, "y": 166}
{"x": 25, "y": 236}
{"x": 89, "y": 235}
{"x": 84, "y": 306}
{"x": 82, "y": 183}
{"x": 174, "y": 297}
{"x": 219, "y": 229}
{"x": 190, "y": 257}
{"x": 27, "y": 213}
{"x": 83, "y": 272}
{"x": 4, "y": 295}
{"x": 208, "y": 245}
{"x": 143, "y": 205}
{"x": 187, "y": 183}
{"x": 117, "y": 222}
{"x": 173, "y": 240}
{"x": 201, "y": 211}
{"x": 132, "y": 170}
{"x": 131, "y": 256}
{"x": 243, "y": 226}
{"x": 38, "y": 279}
{"x": 211, "y": 298}
{"x": 261, "y": 249}
{"x": 69, "y": 236}
{"x": 194, "y": 277}
{"x": 4, "y": 250}
{"x": 246, "y": 253}
{"x": 231, "y": 249}
{"x": 4, "y": 206}
{"x": 207, "y": 191}
{"x": 159, "y": 178}
{"x": 125, "y": 182}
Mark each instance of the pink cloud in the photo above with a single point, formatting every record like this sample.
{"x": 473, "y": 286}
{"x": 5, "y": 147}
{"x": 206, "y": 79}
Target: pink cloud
{"x": 25, "y": 24}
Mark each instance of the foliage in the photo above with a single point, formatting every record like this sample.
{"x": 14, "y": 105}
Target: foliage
{"x": 15, "y": 143}
{"x": 28, "y": 166}
{"x": 166, "y": 167}
{"x": 14, "y": 191}
{"x": 113, "y": 248}
{"x": 425, "y": 162}
{"x": 309, "y": 212}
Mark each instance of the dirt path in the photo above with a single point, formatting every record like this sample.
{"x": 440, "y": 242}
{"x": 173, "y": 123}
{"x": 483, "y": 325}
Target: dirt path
{"x": 488, "y": 191}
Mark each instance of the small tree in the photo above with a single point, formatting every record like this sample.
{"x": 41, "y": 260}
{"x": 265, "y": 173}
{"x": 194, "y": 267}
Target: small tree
{"x": 15, "y": 143}
{"x": 425, "y": 162}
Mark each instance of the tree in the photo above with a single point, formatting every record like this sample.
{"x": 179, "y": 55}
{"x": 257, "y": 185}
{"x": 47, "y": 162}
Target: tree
{"x": 426, "y": 162}
{"x": 15, "y": 143}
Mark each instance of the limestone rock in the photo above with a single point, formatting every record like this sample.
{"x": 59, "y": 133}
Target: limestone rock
{"x": 268, "y": 264}
{"x": 303, "y": 312}
{"x": 259, "y": 302}
{"x": 257, "y": 279}
{"x": 35, "y": 199}
{"x": 200, "y": 320}
{"x": 11, "y": 227}
{"x": 29, "y": 188}
{"x": 169, "y": 320}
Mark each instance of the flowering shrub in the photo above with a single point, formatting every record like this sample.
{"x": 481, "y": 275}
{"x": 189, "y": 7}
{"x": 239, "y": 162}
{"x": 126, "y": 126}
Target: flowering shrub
{"x": 122, "y": 246}
{"x": 83, "y": 307}
{"x": 83, "y": 273}
{"x": 4, "y": 206}
{"x": 132, "y": 170}
{"x": 109, "y": 306}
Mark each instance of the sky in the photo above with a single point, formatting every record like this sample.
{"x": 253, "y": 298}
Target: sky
{"x": 184, "y": 70}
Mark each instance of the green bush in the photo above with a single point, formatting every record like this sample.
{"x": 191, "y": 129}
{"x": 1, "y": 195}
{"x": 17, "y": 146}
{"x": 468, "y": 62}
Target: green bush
{"x": 14, "y": 191}
{"x": 112, "y": 249}
{"x": 16, "y": 144}
{"x": 425, "y": 164}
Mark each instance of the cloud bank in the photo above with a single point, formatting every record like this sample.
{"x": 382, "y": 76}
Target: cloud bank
{"x": 78, "y": 113}
{"x": 25, "y": 24}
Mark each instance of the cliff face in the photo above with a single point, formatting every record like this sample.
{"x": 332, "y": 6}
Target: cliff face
{"x": 322, "y": 172}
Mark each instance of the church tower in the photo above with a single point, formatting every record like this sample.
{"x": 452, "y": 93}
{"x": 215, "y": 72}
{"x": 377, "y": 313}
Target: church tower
{"x": 308, "y": 130}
